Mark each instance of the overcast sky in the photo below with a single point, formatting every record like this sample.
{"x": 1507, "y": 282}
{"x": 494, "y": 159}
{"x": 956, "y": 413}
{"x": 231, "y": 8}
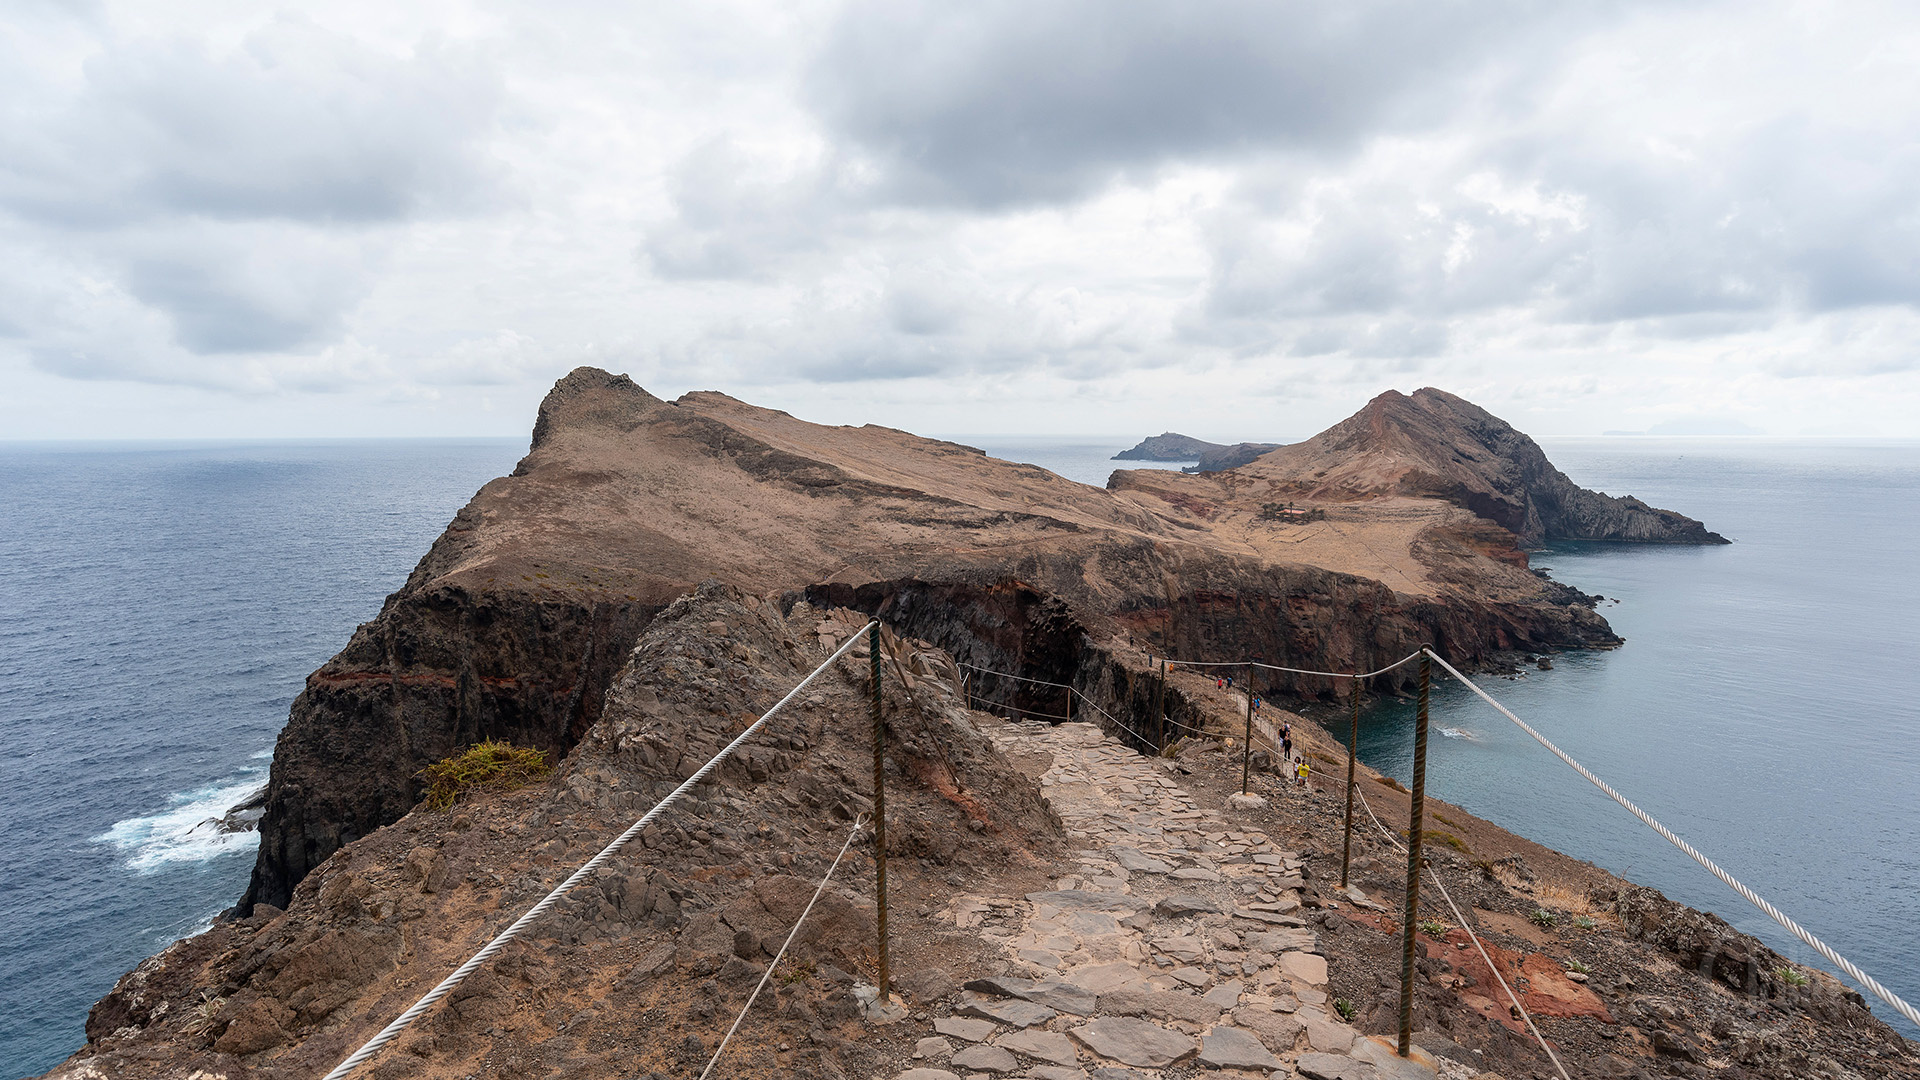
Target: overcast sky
{"x": 1235, "y": 219}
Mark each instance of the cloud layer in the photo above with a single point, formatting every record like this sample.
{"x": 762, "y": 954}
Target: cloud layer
{"x": 1058, "y": 216}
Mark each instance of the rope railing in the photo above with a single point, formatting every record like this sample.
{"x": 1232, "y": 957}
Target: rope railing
{"x": 858, "y": 824}
{"x": 1415, "y": 655}
{"x": 419, "y": 1008}
{"x": 1713, "y": 868}
{"x": 1461, "y": 919}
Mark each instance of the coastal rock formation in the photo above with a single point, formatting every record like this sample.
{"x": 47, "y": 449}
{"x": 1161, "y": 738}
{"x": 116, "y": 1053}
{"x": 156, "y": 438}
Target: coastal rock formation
{"x": 1167, "y": 446}
{"x": 1211, "y": 457}
{"x": 1060, "y": 905}
{"x": 1435, "y": 445}
{"x": 516, "y": 621}
{"x": 1219, "y": 458}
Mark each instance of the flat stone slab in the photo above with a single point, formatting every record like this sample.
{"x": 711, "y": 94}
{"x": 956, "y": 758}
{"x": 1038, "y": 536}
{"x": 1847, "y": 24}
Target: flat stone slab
{"x": 1387, "y": 1061}
{"x": 1278, "y": 1032}
{"x": 1271, "y": 918}
{"x": 1180, "y": 905}
{"x": 1231, "y": 1048}
{"x": 1165, "y": 1004}
{"x": 926, "y": 1074}
{"x": 1139, "y": 862}
{"x": 1104, "y": 978}
{"x": 1065, "y": 997}
{"x": 962, "y": 1028}
{"x": 1306, "y": 967}
{"x": 1058, "y": 1072}
{"x": 932, "y": 1046}
{"x": 1017, "y": 1013}
{"x": 1225, "y": 996}
{"x": 1048, "y": 1046}
{"x": 1134, "y": 1042}
{"x": 1192, "y": 976}
{"x": 1334, "y": 1067}
{"x": 985, "y": 1058}
{"x": 1325, "y": 1034}
{"x": 1088, "y": 900}
{"x": 1194, "y": 873}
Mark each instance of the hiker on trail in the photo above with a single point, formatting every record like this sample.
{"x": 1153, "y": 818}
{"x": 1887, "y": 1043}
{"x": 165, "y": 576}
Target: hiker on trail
{"x": 1301, "y": 769}
{"x": 1286, "y": 745}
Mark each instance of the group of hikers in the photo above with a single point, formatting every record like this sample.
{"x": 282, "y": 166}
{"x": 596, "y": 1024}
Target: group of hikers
{"x": 1297, "y": 764}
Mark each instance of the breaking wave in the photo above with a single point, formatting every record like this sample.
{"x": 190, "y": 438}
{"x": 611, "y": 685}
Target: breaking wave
{"x": 189, "y": 830}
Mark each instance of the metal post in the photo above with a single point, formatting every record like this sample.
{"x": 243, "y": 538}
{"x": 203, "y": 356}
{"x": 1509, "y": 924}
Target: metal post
{"x": 1416, "y": 820}
{"x": 880, "y": 812}
{"x": 1246, "y": 751}
{"x": 1353, "y": 746}
{"x": 1159, "y": 697}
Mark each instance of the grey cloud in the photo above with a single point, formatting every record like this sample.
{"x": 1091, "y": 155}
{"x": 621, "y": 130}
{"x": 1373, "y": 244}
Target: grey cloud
{"x": 1015, "y": 102}
{"x": 734, "y": 218}
{"x": 268, "y": 287}
{"x": 300, "y": 123}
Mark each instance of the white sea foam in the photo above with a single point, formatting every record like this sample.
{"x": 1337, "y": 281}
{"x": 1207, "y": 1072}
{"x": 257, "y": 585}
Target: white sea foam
{"x": 1458, "y": 733}
{"x": 188, "y": 830}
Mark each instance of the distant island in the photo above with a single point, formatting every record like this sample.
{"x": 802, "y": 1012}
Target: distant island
{"x": 1210, "y": 457}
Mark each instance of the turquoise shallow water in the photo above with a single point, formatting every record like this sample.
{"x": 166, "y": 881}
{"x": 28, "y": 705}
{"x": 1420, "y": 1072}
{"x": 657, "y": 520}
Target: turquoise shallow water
{"x": 163, "y": 605}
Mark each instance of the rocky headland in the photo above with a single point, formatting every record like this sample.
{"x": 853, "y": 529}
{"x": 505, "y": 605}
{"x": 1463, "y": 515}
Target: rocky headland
{"x": 1207, "y": 456}
{"x": 656, "y": 573}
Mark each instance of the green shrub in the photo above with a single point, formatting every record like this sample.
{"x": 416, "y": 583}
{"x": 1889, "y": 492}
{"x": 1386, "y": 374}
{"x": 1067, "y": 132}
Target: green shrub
{"x": 1585, "y": 922}
{"x": 1433, "y": 928}
{"x": 489, "y": 764}
{"x": 1543, "y": 918}
{"x": 1345, "y": 1009}
{"x": 1573, "y": 964}
{"x": 1792, "y": 976}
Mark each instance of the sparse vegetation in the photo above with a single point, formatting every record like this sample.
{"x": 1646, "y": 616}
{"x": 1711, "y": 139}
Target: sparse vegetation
{"x": 491, "y": 764}
{"x": 205, "y": 1012}
{"x": 1346, "y": 1009}
{"x": 1433, "y": 928}
{"x": 1574, "y": 965}
{"x": 1792, "y": 976}
{"x": 1585, "y": 922}
{"x": 1543, "y": 918}
{"x": 1435, "y": 836}
{"x": 1394, "y": 784}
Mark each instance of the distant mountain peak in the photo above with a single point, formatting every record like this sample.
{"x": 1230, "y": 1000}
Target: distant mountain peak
{"x": 1434, "y": 444}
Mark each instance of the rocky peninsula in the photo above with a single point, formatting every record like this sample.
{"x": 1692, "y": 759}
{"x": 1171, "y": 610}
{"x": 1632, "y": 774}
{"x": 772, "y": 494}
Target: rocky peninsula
{"x": 656, "y": 573}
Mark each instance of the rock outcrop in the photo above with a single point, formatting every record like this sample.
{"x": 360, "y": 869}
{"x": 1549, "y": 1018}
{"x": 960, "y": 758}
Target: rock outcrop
{"x": 1435, "y": 445}
{"x": 1220, "y": 458}
{"x": 514, "y": 624}
{"x": 1167, "y": 446}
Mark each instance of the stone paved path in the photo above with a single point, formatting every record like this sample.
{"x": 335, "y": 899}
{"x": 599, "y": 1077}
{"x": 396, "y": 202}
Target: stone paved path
{"x": 1178, "y": 945}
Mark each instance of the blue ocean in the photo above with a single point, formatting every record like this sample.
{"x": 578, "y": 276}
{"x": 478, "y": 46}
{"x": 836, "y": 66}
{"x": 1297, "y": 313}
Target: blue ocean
{"x": 164, "y": 603}
{"x": 162, "y": 606}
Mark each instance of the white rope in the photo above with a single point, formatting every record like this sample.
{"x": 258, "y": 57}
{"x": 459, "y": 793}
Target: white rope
{"x": 791, "y": 934}
{"x": 1464, "y": 925}
{"x": 1752, "y": 897}
{"x": 1021, "y": 678}
{"x": 1293, "y": 670}
{"x": 388, "y": 1033}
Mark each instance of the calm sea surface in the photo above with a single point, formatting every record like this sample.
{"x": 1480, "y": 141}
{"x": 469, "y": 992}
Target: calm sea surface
{"x": 163, "y": 604}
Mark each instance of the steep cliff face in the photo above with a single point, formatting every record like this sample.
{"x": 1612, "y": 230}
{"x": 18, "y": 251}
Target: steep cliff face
{"x": 1435, "y": 445}
{"x": 515, "y": 622}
